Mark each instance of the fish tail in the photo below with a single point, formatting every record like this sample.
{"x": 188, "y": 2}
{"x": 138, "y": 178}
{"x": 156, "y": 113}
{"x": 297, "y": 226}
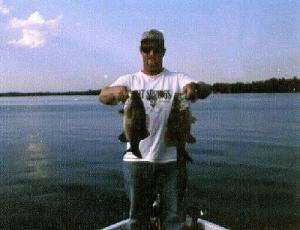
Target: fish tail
{"x": 182, "y": 154}
{"x": 190, "y": 139}
{"x": 137, "y": 152}
{"x": 122, "y": 137}
{"x": 193, "y": 119}
{"x": 134, "y": 148}
{"x": 182, "y": 178}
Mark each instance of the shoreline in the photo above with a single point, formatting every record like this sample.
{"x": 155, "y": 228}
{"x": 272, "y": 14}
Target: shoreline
{"x": 33, "y": 94}
{"x": 272, "y": 85}
{"x": 40, "y": 94}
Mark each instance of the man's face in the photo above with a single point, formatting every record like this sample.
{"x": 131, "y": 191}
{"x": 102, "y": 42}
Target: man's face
{"x": 152, "y": 52}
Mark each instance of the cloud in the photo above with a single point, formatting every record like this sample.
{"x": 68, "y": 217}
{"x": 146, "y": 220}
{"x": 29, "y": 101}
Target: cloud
{"x": 35, "y": 20}
{"x": 4, "y": 10}
{"x": 31, "y": 39}
{"x": 35, "y": 30}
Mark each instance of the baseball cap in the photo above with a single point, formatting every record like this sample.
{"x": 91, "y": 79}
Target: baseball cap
{"x": 153, "y": 34}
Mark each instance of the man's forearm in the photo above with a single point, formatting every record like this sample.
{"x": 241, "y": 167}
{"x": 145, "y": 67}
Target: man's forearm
{"x": 113, "y": 95}
{"x": 108, "y": 96}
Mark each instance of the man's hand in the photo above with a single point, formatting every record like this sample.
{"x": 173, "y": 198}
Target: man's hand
{"x": 122, "y": 93}
{"x": 194, "y": 91}
{"x": 190, "y": 91}
{"x": 113, "y": 95}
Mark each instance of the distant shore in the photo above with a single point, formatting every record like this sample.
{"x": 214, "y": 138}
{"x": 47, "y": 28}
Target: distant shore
{"x": 68, "y": 93}
{"x": 273, "y": 85}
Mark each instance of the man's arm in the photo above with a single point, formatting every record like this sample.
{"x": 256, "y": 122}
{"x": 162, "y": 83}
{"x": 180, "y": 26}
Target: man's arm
{"x": 113, "y": 95}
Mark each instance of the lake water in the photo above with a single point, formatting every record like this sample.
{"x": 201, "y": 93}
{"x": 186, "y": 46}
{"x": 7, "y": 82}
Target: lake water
{"x": 60, "y": 162}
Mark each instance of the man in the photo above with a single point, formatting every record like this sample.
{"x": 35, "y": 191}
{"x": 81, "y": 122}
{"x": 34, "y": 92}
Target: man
{"x": 157, "y": 170}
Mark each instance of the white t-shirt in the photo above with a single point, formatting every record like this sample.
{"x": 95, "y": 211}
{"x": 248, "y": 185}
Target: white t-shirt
{"x": 157, "y": 93}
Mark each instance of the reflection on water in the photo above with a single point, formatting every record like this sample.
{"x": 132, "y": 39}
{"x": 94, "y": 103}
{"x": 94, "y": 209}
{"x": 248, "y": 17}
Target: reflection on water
{"x": 36, "y": 157}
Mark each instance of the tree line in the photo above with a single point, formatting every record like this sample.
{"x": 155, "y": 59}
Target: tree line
{"x": 68, "y": 93}
{"x": 273, "y": 85}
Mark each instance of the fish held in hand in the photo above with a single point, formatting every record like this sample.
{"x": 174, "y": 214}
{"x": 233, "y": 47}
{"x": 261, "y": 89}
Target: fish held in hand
{"x": 134, "y": 123}
{"x": 178, "y": 131}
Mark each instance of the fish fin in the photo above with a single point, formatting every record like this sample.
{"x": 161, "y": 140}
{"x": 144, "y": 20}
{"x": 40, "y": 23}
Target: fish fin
{"x": 134, "y": 148}
{"x": 135, "y": 152}
{"x": 121, "y": 111}
{"x": 190, "y": 139}
{"x": 182, "y": 178}
{"x": 193, "y": 119}
{"x": 182, "y": 154}
{"x": 122, "y": 137}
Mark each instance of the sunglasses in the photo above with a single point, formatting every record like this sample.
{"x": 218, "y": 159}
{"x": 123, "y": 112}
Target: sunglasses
{"x": 147, "y": 49}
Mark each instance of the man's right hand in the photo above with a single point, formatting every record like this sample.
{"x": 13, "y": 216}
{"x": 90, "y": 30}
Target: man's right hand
{"x": 122, "y": 93}
{"x": 113, "y": 95}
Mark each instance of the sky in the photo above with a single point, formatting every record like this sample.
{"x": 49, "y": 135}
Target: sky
{"x": 64, "y": 45}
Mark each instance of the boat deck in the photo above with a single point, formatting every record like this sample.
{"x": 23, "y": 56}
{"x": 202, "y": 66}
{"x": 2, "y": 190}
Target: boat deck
{"x": 203, "y": 224}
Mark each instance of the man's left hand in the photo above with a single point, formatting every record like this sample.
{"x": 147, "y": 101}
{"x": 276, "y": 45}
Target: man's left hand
{"x": 190, "y": 91}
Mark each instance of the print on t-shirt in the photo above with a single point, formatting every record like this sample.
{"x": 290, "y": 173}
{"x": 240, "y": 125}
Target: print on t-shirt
{"x": 153, "y": 96}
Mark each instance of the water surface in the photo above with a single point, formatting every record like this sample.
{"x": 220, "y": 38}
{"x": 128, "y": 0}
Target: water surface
{"x": 60, "y": 162}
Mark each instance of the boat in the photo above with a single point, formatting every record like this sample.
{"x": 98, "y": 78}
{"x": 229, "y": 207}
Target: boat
{"x": 202, "y": 224}
{"x": 192, "y": 220}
